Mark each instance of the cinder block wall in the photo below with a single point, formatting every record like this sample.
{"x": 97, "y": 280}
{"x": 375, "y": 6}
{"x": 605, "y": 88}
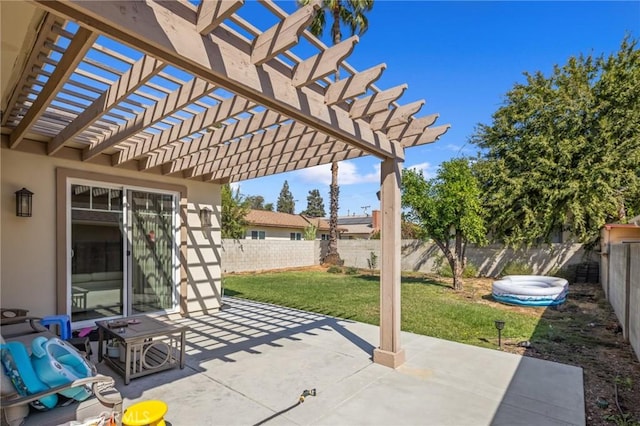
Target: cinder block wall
{"x": 255, "y": 255}
{"x": 258, "y": 255}
{"x": 618, "y": 275}
{"x": 634, "y": 298}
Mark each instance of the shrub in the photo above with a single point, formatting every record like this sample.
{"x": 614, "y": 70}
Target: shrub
{"x": 517, "y": 268}
{"x": 352, "y": 270}
{"x": 372, "y": 261}
{"x": 334, "y": 269}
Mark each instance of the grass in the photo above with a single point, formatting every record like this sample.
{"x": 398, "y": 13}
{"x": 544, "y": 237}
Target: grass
{"x": 429, "y": 306}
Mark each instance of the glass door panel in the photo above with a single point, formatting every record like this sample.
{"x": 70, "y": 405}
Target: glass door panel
{"x": 97, "y": 281}
{"x": 152, "y": 217}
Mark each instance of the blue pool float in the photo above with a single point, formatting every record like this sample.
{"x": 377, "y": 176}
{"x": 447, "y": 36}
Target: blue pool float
{"x": 57, "y": 363}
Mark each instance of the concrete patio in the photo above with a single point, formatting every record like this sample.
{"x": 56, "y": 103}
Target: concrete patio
{"x": 249, "y": 363}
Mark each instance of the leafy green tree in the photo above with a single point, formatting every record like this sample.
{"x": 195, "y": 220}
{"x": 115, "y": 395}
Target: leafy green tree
{"x": 351, "y": 13}
{"x": 256, "y": 202}
{"x": 286, "y": 203}
{"x": 563, "y": 152}
{"x": 269, "y": 207}
{"x": 448, "y": 210}
{"x": 315, "y": 204}
{"x": 234, "y": 211}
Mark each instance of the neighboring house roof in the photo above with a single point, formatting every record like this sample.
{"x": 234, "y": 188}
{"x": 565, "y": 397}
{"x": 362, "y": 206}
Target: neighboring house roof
{"x": 284, "y": 220}
{"x": 358, "y": 229}
{"x": 355, "y": 220}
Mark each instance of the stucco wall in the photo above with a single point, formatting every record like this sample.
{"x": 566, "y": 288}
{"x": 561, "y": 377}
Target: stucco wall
{"x": 28, "y": 245}
{"x": 275, "y": 233}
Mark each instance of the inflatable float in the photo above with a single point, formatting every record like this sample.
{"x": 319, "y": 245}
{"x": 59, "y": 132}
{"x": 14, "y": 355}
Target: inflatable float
{"x": 17, "y": 366}
{"x": 57, "y": 363}
{"x": 530, "y": 290}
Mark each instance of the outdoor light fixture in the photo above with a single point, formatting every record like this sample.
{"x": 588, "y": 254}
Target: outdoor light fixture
{"x": 205, "y": 217}
{"x": 23, "y": 203}
{"x": 499, "y": 325}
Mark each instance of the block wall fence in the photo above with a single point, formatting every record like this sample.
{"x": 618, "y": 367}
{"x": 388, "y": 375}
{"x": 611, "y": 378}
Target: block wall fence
{"x": 260, "y": 255}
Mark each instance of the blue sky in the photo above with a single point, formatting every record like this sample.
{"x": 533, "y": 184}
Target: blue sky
{"x": 461, "y": 57}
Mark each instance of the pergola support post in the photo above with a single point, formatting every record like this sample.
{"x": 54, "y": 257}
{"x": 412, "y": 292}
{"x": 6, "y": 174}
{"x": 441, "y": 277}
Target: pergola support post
{"x": 390, "y": 353}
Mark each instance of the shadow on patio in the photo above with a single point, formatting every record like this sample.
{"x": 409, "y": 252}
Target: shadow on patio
{"x": 252, "y": 361}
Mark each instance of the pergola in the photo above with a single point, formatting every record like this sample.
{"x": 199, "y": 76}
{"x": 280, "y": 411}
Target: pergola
{"x": 198, "y": 92}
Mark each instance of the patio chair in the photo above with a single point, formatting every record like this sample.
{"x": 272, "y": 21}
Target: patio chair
{"x": 14, "y": 409}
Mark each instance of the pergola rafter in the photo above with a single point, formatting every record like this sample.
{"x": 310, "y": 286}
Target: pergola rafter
{"x": 200, "y": 93}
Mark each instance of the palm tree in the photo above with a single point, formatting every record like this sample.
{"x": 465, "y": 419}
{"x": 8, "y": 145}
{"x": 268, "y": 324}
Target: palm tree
{"x": 352, "y": 14}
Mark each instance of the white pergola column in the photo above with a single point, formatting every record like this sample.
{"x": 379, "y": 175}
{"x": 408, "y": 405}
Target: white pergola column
{"x": 390, "y": 353}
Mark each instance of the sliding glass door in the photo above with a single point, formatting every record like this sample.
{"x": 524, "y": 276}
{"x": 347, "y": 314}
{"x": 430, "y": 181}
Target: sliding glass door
{"x": 97, "y": 252}
{"x": 153, "y": 239}
{"x": 123, "y": 251}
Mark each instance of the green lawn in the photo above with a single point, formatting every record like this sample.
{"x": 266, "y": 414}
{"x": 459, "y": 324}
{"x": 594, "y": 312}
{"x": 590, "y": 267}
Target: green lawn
{"x": 429, "y": 307}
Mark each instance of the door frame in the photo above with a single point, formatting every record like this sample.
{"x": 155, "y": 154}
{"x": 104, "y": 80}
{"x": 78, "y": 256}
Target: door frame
{"x": 63, "y": 272}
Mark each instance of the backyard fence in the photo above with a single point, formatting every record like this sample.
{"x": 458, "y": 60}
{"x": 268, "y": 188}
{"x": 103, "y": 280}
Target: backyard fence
{"x": 259, "y": 255}
{"x": 621, "y": 284}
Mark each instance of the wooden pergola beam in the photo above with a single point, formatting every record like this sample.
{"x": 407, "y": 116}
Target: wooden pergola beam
{"x": 396, "y": 116}
{"x": 246, "y": 158}
{"x": 415, "y": 126}
{"x": 212, "y": 13}
{"x": 139, "y": 73}
{"x": 33, "y": 61}
{"x": 269, "y": 137}
{"x": 195, "y": 149}
{"x": 287, "y": 166}
{"x": 353, "y": 86}
{"x": 430, "y": 135}
{"x": 324, "y": 63}
{"x": 375, "y": 103}
{"x": 283, "y": 35}
{"x": 279, "y": 160}
{"x": 223, "y": 59}
{"x": 80, "y": 44}
{"x": 162, "y": 109}
{"x": 215, "y": 114}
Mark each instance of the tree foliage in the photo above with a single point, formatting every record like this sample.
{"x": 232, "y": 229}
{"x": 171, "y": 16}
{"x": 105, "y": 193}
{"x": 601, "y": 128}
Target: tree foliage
{"x": 448, "y": 210}
{"x": 563, "y": 152}
{"x": 256, "y": 202}
{"x": 286, "y": 203}
{"x": 315, "y": 204}
{"x": 234, "y": 211}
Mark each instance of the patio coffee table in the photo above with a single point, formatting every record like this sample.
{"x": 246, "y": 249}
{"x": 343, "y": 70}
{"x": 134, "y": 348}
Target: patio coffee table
{"x": 147, "y": 345}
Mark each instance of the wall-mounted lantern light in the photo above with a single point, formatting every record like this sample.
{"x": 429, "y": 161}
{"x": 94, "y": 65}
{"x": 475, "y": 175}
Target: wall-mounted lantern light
{"x": 24, "y": 204}
{"x": 205, "y": 217}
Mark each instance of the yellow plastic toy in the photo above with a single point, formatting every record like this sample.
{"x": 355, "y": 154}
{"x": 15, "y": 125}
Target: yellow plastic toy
{"x": 145, "y": 413}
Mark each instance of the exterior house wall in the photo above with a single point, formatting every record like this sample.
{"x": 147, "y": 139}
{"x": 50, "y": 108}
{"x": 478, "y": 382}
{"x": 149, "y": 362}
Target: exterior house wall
{"x": 28, "y": 265}
{"x": 272, "y": 233}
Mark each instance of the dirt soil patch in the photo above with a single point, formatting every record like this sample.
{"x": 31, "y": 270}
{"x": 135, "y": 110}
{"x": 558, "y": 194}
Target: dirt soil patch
{"x": 583, "y": 332}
